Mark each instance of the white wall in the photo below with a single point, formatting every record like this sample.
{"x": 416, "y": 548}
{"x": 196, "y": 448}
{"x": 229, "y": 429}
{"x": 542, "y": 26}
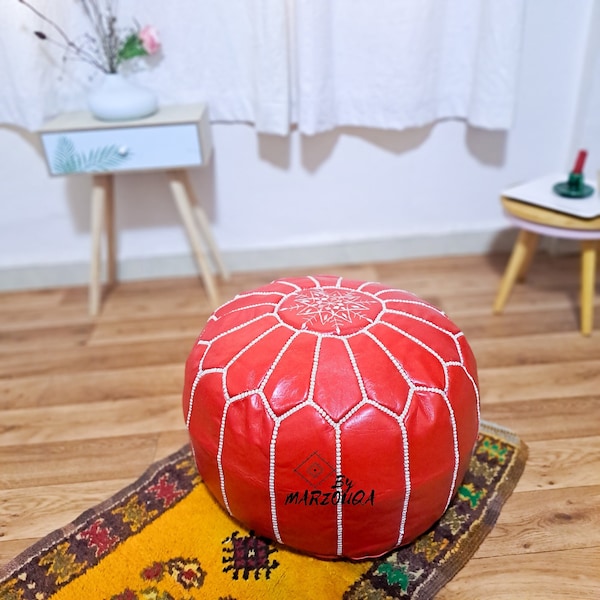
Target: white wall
{"x": 347, "y": 195}
{"x": 586, "y": 130}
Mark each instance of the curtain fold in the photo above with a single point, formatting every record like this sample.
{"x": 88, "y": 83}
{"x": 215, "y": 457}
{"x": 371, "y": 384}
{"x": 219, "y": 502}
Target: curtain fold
{"x": 317, "y": 64}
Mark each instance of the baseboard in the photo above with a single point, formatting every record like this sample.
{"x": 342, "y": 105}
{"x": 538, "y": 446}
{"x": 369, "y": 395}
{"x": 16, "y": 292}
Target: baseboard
{"x": 340, "y": 253}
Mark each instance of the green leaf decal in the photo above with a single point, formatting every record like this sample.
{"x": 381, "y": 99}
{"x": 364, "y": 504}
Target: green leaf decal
{"x": 64, "y": 157}
{"x": 67, "y": 160}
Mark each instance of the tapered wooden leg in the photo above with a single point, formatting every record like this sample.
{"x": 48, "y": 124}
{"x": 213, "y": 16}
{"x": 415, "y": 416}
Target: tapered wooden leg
{"x": 177, "y": 182}
{"x": 109, "y": 223}
{"x": 520, "y": 258}
{"x": 531, "y": 247}
{"x": 210, "y": 240}
{"x": 588, "y": 281}
{"x": 205, "y": 230}
{"x": 100, "y": 189}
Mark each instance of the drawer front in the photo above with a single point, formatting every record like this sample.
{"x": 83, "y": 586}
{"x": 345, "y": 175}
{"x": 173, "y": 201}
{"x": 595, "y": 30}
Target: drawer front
{"x": 123, "y": 149}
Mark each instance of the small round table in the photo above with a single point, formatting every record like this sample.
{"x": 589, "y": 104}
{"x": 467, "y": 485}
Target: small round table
{"x": 534, "y": 221}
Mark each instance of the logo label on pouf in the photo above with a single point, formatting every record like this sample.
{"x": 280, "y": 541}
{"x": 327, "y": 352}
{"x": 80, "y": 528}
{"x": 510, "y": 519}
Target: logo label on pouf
{"x": 315, "y": 470}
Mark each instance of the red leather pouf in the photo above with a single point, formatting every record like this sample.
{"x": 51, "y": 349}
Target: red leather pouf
{"x": 335, "y": 416}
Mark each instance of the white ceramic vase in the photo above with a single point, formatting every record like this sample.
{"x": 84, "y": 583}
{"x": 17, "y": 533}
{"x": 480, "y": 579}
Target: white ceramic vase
{"x": 118, "y": 99}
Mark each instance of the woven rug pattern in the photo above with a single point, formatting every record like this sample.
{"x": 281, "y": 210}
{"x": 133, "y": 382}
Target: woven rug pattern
{"x": 165, "y": 538}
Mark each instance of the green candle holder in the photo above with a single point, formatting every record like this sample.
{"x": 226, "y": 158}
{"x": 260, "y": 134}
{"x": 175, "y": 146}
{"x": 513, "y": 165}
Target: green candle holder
{"x": 574, "y": 188}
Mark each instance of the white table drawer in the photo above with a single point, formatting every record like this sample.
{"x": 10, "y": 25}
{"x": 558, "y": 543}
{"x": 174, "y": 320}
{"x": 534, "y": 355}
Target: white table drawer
{"x": 175, "y": 137}
{"x": 122, "y": 149}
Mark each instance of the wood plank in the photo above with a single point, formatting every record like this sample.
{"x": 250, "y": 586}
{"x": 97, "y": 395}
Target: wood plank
{"x": 23, "y": 340}
{"x": 106, "y": 419}
{"x": 544, "y": 521}
{"x": 542, "y": 348}
{"x": 536, "y": 381}
{"x": 67, "y": 360}
{"x": 157, "y": 328}
{"x": 44, "y": 316}
{"x": 562, "y": 463}
{"x": 89, "y": 386}
{"x": 77, "y": 461}
{"x": 15, "y": 302}
{"x": 566, "y": 574}
{"x": 514, "y": 322}
{"x": 547, "y": 418}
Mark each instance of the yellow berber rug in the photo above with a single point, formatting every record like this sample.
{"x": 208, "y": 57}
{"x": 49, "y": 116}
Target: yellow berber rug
{"x": 165, "y": 538}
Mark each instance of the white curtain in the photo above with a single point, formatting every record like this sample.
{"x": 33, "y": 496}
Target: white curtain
{"x": 317, "y": 64}
{"x": 403, "y": 63}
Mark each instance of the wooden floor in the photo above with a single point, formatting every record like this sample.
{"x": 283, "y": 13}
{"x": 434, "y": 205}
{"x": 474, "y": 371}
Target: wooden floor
{"x": 86, "y": 405}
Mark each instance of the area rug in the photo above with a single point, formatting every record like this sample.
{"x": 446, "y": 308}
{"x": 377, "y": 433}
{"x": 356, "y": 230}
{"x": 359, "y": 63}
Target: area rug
{"x": 165, "y": 538}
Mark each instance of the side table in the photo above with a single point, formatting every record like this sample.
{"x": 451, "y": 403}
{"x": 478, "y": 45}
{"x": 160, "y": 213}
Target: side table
{"x": 536, "y": 210}
{"x": 172, "y": 140}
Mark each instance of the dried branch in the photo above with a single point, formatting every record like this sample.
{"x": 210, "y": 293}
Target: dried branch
{"x": 106, "y": 47}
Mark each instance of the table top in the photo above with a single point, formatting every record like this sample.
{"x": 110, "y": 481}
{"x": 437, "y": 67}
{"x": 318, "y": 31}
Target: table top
{"x": 539, "y": 192}
{"x": 166, "y": 115}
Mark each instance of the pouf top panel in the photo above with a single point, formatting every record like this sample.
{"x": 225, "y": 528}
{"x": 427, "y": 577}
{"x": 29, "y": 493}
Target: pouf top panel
{"x": 263, "y": 337}
{"x": 309, "y": 384}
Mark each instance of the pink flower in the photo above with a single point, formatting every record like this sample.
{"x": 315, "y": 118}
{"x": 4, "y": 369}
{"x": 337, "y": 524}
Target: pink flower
{"x": 150, "y": 41}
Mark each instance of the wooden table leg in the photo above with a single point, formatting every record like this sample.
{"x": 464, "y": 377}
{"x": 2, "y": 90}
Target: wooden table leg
{"x": 205, "y": 230}
{"x": 210, "y": 240}
{"x": 179, "y": 189}
{"x": 588, "y": 281}
{"x": 520, "y": 258}
{"x": 101, "y": 189}
{"x": 109, "y": 225}
{"x": 531, "y": 244}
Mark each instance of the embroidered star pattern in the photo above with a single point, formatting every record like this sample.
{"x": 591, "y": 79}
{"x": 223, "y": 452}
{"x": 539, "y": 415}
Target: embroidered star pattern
{"x": 334, "y": 308}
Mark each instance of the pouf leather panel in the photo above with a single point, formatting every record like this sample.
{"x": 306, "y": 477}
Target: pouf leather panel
{"x": 335, "y": 416}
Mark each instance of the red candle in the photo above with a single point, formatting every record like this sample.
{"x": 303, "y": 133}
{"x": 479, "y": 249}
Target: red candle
{"x": 578, "y": 168}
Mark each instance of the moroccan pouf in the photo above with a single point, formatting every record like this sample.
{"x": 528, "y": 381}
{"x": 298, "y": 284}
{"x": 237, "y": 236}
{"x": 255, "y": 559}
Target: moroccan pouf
{"x": 335, "y": 416}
